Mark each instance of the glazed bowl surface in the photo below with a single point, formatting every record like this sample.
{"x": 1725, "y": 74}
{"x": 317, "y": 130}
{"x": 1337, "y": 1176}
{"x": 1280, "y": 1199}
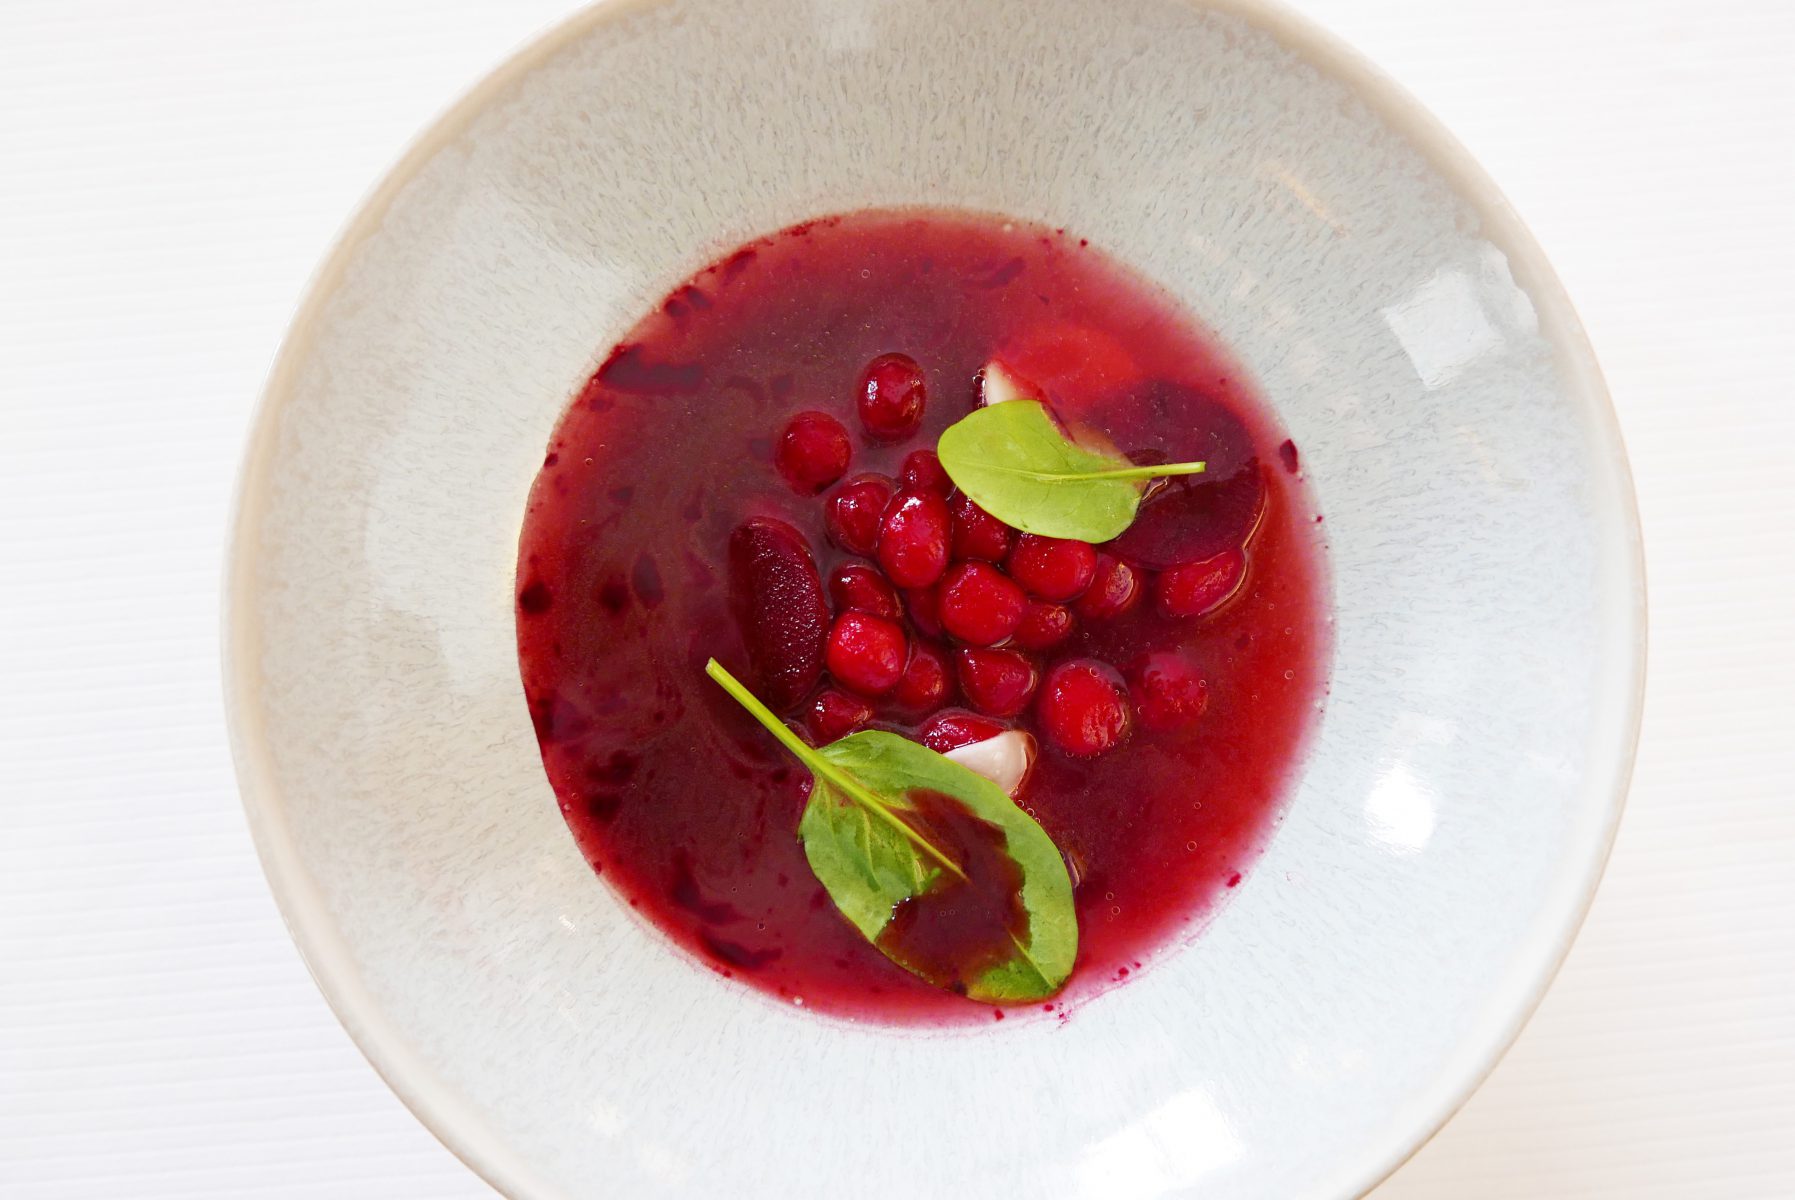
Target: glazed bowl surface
{"x": 1445, "y": 830}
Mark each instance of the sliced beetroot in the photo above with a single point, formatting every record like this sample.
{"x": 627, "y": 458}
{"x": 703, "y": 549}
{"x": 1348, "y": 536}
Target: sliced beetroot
{"x": 1186, "y": 521}
{"x": 1193, "y": 516}
{"x": 777, "y": 597}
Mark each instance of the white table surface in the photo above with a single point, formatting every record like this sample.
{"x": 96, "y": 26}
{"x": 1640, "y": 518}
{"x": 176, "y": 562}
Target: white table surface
{"x": 171, "y": 172}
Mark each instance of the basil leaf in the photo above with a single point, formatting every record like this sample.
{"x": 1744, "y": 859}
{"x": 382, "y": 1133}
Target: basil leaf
{"x": 1014, "y": 462}
{"x": 932, "y": 863}
{"x": 867, "y": 866}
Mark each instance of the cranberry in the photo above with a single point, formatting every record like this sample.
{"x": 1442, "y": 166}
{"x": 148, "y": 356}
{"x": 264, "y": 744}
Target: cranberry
{"x": 926, "y": 680}
{"x": 892, "y": 395}
{"x": 778, "y": 602}
{"x": 922, "y": 472}
{"x": 998, "y": 683}
{"x": 813, "y": 452}
{"x": 1113, "y": 591}
{"x": 978, "y": 534}
{"x": 858, "y": 587}
{"x": 956, "y": 727}
{"x": 836, "y": 715}
{"x": 924, "y": 607}
{"x": 914, "y": 538}
{"x": 1198, "y": 588}
{"x": 1052, "y": 568}
{"x": 1084, "y": 708}
{"x": 1044, "y": 625}
{"x": 1168, "y": 688}
{"x": 853, "y": 512}
{"x": 979, "y": 604}
{"x": 866, "y": 654}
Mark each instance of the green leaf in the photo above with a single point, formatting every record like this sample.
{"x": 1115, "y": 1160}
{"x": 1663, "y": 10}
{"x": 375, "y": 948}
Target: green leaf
{"x": 867, "y": 866}
{"x": 916, "y": 850}
{"x": 1012, "y": 459}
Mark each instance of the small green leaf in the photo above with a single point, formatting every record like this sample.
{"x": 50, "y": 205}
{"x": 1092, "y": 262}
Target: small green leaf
{"x": 904, "y": 839}
{"x": 1014, "y": 462}
{"x": 867, "y": 866}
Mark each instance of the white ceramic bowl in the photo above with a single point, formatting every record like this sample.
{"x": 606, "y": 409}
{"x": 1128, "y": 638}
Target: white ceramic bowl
{"x": 1453, "y": 814}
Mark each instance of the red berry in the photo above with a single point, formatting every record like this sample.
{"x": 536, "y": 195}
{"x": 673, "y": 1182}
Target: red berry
{"x": 979, "y": 604}
{"x": 1044, "y": 625}
{"x": 1198, "y": 588}
{"x": 978, "y": 534}
{"x": 922, "y": 472}
{"x": 813, "y": 452}
{"x": 892, "y": 395}
{"x": 836, "y": 715}
{"x": 924, "y": 607}
{"x": 998, "y": 683}
{"x": 1052, "y": 568}
{"x": 859, "y": 587}
{"x": 778, "y": 602}
{"x": 1113, "y": 591}
{"x": 854, "y": 510}
{"x": 1168, "y": 688}
{"x": 956, "y": 727}
{"x": 866, "y": 654}
{"x": 926, "y": 681}
{"x": 1084, "y": 708}
{"x": 914, "y": 538}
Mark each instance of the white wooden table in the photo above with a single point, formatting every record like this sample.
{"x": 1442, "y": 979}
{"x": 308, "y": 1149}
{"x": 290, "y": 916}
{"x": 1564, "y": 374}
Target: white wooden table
{"x": 169, "y": 174}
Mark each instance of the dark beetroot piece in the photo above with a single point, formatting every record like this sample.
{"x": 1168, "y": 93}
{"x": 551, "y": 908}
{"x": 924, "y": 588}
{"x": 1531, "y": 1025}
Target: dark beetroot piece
{"x": 656, "y": 536}
{"x": 834, "y": 715}
{"x": 922, "y": 472}
{"x": 858, "y": 587}
{"x": 1168, "y": 688}
{"x": 1044, "y": 625}
{"x": 866, "y": 654}
{"x": 778, "y": 603}
{"x": 1052, "y": 568}
{"x": 1114, "y": 589}
{"x": 978, "y": 534}
{"x": 892, "y": 396}
{"x": 980, "y": 605}
{"x": 813, "y": 452}
{"x": 998, "y": 683}
{"x": 955, "y": 727}
{"x": 1199, "y": 588}
{"x": 914, "y": 541}
{"x": 856, "y": 511}
{"x": 928, "y": 679}
{"x": 1083, "y": 708}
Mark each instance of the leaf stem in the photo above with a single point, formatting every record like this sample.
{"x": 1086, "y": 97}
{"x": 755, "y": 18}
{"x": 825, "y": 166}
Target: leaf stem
{"x": 1152, "y": 471}
{"x": 821, "y": 766}
{"x": 1149, "y": 471}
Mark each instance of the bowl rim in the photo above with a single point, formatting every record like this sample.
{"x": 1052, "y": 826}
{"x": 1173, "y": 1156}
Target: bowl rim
{"x": 460, "y": 1129}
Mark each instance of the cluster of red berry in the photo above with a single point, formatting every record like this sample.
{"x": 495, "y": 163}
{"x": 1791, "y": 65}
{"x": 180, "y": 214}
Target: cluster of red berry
{"x": 944, "y": 597}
